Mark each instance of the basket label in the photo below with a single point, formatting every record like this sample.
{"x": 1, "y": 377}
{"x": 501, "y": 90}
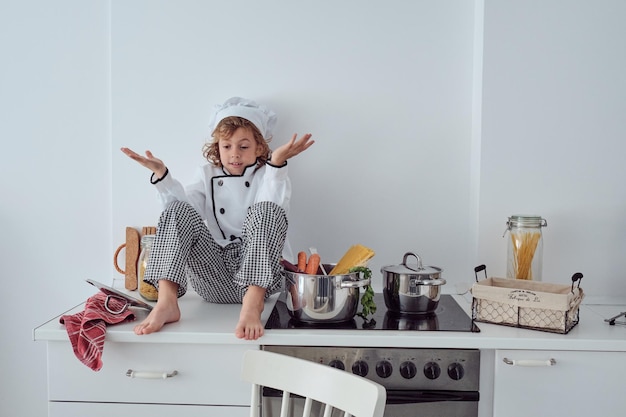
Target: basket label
{"x": 524, "y": 295}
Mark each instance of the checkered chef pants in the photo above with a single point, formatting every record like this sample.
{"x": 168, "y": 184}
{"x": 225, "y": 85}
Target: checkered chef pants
{"x": 184, "y": 251}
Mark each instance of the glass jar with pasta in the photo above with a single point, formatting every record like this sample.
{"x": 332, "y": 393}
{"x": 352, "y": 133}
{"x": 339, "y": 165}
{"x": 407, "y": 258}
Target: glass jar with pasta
{"x": 146, "y": 290}
{"x": 525, "y": 247}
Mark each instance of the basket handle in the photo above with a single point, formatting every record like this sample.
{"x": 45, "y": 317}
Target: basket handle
{"x": 576, "y": 277}
{"x": 478, "y": 269}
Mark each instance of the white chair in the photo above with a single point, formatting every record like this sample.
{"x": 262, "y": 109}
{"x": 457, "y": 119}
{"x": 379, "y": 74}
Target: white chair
{"x": 333, "y": 388}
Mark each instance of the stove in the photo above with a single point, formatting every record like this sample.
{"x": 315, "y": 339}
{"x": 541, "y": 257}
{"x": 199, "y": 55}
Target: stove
{"x": 419, "y": 381}
{"x": 449, "y": 316}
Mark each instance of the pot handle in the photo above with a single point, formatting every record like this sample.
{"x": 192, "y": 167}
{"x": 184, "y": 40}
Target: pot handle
{"x": 355, "y": 284}
{"x": 419, "y": 261}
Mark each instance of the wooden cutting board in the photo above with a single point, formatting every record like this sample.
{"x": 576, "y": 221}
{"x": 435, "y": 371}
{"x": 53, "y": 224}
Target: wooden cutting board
{"x": 148, "y": 230}
{"x": 132, "y": 256}
{"x": 132, "y": 249}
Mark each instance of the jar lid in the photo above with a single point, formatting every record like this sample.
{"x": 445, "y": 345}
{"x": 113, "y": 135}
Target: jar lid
{"x": 525, "y": 220}
{"x": 147, "y": 239}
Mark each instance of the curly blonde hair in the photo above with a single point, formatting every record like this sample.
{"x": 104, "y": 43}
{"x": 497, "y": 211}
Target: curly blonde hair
{"x": 224, "y": 130}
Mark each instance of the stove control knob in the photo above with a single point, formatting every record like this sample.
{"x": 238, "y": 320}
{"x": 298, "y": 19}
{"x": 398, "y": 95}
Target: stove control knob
{"x": 432, "y": 370}
{"x": 336, "y": 363}
{"x": 456, "y": 371}
{"x": 408, "y": 369}
{"x": 360, "y": 368}
{"x": 384, "y": 369}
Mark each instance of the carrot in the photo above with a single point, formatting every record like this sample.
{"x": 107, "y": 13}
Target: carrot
{"x": 314, "y": 263}
{"x": 301, "y": 261}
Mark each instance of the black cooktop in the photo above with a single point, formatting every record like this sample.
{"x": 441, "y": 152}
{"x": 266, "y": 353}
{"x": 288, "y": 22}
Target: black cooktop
{"x": 449, "y": 316}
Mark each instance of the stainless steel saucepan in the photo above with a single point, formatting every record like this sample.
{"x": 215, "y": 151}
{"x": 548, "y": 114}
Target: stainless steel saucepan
{"x": 323, "y": 298}
{"x": 412, "y": 288}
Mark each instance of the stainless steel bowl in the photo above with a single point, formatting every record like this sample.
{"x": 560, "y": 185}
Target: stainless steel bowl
{"x": 411, "y": 289}
{"x": 323, "y": 298}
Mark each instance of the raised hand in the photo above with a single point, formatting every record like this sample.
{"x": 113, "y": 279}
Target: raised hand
{"x": 149, "y": 161}
{"x": 291, "y": 149}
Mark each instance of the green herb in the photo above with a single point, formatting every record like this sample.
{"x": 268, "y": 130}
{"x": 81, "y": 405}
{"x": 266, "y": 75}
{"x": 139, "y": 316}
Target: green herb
{"x": 368, "y": 306}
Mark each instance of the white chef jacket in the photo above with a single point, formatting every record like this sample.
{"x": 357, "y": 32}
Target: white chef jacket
{"x": 222, "y": 200}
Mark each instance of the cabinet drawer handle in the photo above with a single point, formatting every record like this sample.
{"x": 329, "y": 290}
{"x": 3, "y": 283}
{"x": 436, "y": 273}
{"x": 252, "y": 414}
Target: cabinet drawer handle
{"x": 529, "y": 362}
{"x": 150, "y": 375}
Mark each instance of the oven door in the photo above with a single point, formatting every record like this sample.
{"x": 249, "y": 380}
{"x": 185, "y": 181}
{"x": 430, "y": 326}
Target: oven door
{"x": 399, "y": 404}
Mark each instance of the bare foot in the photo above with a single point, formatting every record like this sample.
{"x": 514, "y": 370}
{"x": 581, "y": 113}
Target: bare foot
{"x": 160, "y": 315}
{"x": 165, "y": 311}
{"x": 249, "y": 326}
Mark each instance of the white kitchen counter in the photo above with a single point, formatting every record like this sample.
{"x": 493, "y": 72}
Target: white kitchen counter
{"x": 203, "y": 345}
{"x": 205, "y": 323}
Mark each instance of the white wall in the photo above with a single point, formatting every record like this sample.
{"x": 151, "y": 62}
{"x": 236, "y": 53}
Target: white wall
{"x": 553, "y": 135}
{"x": 388, "y": 93}
{"x": 55, "y": 209}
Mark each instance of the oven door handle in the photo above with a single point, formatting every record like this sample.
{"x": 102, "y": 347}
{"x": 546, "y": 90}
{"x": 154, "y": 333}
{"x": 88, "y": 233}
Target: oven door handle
{"x": 424, "y": 396}
{"x": 406, "y": 397}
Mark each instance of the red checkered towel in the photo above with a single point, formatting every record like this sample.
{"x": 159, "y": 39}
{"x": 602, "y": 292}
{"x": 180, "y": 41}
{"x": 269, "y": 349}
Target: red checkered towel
{"x": 87, "y": 328}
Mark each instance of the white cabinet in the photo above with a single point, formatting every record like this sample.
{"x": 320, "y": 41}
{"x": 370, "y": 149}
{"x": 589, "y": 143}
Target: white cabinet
{"x": 204, "y": 381}
{"x": 559, "y": 383}
{"x": 585, "y": 381}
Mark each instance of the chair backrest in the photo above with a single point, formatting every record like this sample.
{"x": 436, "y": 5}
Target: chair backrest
{"x": 341, "y": 390}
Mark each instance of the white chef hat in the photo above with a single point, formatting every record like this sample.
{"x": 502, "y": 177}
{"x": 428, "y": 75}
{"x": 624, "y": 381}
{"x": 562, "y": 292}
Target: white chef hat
{"x": 262, "y": 117}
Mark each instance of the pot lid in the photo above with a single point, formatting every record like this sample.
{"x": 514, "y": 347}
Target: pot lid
{"x": 404, "y": 268}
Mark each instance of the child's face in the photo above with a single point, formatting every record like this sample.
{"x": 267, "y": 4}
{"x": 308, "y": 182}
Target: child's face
{"x": 238, "y": 151}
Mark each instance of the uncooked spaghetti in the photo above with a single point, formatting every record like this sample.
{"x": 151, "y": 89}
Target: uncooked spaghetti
{"x": 524, "y": 246}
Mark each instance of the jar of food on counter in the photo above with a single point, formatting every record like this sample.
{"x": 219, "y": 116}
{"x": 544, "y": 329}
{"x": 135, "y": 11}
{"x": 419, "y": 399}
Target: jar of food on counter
{"x": 146, "y": 290}
{"x": 525, "y": 247}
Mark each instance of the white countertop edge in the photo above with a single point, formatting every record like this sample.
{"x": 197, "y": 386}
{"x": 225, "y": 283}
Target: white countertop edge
{"x": 590, "y": 334}
{"x": 542, "y": 341}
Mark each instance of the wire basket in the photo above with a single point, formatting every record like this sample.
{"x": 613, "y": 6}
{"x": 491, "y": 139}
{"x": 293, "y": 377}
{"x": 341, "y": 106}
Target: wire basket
{"x": 527, "y": 304}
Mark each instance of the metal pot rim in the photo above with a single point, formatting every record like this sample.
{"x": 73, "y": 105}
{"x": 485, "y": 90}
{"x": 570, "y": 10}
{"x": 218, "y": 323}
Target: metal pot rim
{"x": 350, "y": 276}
